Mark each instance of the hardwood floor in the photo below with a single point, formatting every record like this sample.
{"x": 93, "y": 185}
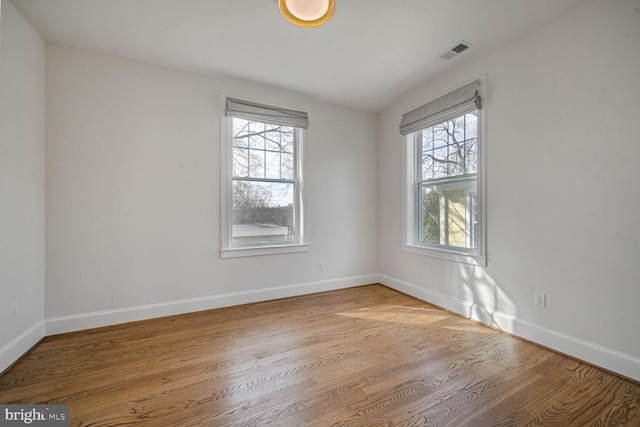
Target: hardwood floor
{"x": 366, "y": 356}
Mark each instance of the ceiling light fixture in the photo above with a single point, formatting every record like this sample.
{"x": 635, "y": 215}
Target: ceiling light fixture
{"x": 307, "y": 13}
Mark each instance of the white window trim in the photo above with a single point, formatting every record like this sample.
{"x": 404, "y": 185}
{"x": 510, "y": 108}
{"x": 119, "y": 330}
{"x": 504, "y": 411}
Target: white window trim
{"x": 263, "y": 250}
{"x": 228, "y": 249}
{"x": 410, "y": 217}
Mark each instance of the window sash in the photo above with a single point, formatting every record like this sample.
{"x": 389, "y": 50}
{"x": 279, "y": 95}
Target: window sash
{"x": 297, "y": 234}
{"x": 265, "y": 234}
{"x": 296, "y": 136}
{"x": 442, "y": 185}
{"x": 443, "y": 189}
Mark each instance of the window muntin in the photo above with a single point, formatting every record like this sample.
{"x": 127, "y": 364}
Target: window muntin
{"x": 263, "y": 151}
{"x": 447, "y": 184}
{"x": 449, "y": 148}
{"x": 265, "y": 183}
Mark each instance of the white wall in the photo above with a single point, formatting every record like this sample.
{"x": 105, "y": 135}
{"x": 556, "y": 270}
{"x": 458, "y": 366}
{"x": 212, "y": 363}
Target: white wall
{"x": 563, "y": 143}
{"x": 133, "y": 194}
{"x": 133, "y": 189}
{"x": 21, "y": 185}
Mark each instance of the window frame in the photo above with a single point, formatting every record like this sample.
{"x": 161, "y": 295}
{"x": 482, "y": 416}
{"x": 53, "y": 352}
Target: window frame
{"x": 412, "y": 187}
{"x": 231, "y": 249}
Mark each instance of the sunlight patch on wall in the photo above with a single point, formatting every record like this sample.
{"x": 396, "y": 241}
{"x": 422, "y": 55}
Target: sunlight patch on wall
{"x": 488, "y": 303}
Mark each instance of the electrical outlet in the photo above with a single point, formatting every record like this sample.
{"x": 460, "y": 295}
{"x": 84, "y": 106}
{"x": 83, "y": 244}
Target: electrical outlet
{"x": 14, "y": 310}
{"x": 320, "y": 265}
{"x": 541, "y": 299}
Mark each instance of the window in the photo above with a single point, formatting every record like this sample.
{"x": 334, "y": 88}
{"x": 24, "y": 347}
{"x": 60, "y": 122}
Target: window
{"x": 263, "y": 211}
{"x": 443, "y": 168}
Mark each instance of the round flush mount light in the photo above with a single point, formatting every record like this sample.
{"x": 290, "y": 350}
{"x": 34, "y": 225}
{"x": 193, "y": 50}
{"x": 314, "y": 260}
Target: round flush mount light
{"x": 307, "y": 13}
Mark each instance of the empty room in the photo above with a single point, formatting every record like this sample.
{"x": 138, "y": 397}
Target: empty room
{"x": 319, "y": 212}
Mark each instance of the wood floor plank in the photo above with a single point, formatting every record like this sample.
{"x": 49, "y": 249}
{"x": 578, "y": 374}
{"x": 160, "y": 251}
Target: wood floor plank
{"x": 366, "y": 356}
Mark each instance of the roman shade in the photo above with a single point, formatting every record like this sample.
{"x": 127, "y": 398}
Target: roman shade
{"x": 266, "y": 113}
{"x": 452, "y": 104}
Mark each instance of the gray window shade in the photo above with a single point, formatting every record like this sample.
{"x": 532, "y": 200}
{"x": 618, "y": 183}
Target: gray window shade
{"x": 450, "y": 105}
{"x": 266, "y": 113}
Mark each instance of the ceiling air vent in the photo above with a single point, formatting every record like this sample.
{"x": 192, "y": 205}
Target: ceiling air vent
{"x": 455, "y": 50}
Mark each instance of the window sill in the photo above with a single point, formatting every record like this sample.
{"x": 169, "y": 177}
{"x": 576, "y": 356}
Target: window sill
{"x": 446, "y": 255}
{"x": 263, "y": 250}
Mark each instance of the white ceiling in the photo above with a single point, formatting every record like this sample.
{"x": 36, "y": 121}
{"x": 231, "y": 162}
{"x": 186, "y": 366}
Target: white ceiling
{"x": 365, "y": 57}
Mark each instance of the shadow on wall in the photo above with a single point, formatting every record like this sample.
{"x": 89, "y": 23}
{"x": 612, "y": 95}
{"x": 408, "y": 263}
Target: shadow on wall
{"x": 485, "y": 301}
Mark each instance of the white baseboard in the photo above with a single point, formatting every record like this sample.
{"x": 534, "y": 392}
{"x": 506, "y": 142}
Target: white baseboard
{"x": 17, "y": 347}
{"x": 624, "y": 364}
{"x": 77, "y": 322}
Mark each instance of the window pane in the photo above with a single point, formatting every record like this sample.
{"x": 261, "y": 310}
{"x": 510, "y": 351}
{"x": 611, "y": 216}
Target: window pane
{"x": 471, "y": 159}
{"x": 430, "y": 216}
{"x": 272, "y": 142}
{"x": 449, "y": 149}
{"x": 448, "y": 213}
{"x": 471, "y": 125}
{"x": 262, "y": 211}
{"x": 457, "y": 129}
{"x": 440, "y": 135}
{"x": 240, "y": 128}
{"x": 286, "y": 142}
{"x": 273, "y": 128}
{"x": 273, "y": 138}
{"x": 256, "y": 135}
{"x": 241, "y": 142}
{"x": 455, "y": 225}
{"x": 427, "y": 165}
{"x": 288, "y": 169}
{"x": 256, "y": 164}
{"x": 440, "y": 162}
{"x": 427, "y": 139}
{"x": 455, "y": 162}
{"x": 273, "y": 165}
{"x": 240, "y": 162}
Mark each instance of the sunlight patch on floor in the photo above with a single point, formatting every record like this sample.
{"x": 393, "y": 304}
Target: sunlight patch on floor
{"x": 399, "y": 314}
{"x": 471, "y": 327}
